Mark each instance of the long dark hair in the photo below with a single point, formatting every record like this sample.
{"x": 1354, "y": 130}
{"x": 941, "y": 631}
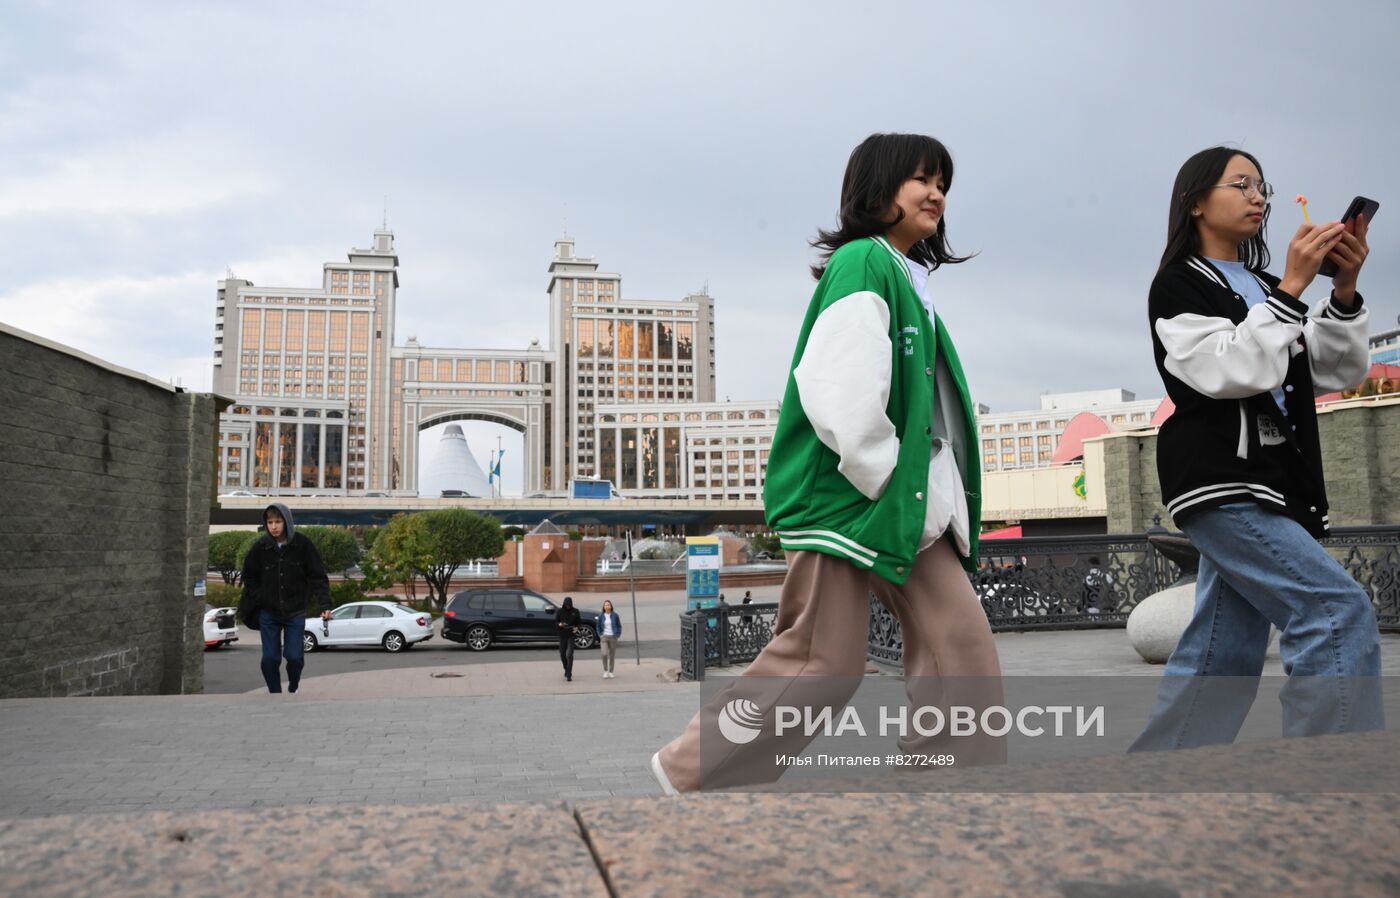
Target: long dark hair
{"x": 1198, "y": 177}
{"x": 875, "y": 172}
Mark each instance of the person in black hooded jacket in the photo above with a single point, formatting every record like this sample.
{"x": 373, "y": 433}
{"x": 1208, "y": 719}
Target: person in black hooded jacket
{"x": 282, "y": 575}
{"x": 566, "y": 619}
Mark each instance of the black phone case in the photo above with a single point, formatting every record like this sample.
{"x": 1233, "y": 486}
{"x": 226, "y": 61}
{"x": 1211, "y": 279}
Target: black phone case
{"x": 1359, "y": 206}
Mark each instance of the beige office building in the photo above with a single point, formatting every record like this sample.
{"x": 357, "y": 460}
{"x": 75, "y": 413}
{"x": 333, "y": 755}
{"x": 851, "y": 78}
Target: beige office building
{"x": 709, "y": 450}
{"x": 1027, "y": 439}
{"x": 308, "y": 370}
{"x": 618, "y": 351}
{"x": 325, "y": 401}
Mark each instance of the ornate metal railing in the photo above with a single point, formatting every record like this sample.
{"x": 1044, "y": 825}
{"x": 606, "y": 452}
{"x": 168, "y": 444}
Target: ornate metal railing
{"x": 1062, "y": 583}
{"x": 1051, "y": 583}
{"x": 724, "y": 635}
{"x": 1047, "y": 583}
{"x": 1372, "y": 556}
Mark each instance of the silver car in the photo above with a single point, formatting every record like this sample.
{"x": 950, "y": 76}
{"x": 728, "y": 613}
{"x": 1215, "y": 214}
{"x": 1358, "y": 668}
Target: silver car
{"x": 391, "y": 625}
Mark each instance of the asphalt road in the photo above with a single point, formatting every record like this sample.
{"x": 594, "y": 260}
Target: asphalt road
{"x": 235, "y": 668}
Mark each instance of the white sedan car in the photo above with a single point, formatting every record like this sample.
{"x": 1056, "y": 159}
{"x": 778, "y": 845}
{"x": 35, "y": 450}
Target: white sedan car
{"x": 391, "y": 625}
{"x": 219, "y": 626}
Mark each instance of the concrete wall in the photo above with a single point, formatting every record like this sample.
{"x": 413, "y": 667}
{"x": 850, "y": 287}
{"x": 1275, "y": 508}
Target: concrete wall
{"x": 1360, "y": 454}
{"x": 107, "y": 481}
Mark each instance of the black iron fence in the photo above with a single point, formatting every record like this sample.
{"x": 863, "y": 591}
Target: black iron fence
{"x": 724, "y": 635}
{"x": 1045, "y": 583}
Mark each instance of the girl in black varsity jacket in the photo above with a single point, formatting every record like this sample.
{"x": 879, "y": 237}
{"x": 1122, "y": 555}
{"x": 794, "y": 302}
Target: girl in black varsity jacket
{"x": 1239, "y": 460}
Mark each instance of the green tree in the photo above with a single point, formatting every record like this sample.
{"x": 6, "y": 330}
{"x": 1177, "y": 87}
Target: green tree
{"x": 452, "y": 537}
{"x": 339, "y": 551}
{"x": 398, "y": 555}
{"x": 227, "y": 551}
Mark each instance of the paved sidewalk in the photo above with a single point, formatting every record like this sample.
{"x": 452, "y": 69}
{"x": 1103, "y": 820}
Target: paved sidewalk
{"x": 500, "y": 732}
{"x": 252, "y": 751}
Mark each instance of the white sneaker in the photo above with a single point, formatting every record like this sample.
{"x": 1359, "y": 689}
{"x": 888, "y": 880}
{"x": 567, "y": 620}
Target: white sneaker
{"x": 660, "y": 775}
{"x": 611, "y": 675}
{"x": 605, "y": 674}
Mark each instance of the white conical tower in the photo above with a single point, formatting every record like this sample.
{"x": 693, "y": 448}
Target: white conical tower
{"x": 453, "y": 467}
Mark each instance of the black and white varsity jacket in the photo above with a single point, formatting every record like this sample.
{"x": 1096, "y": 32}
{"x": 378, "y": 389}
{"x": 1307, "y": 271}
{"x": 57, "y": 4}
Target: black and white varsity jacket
{"x": 1219, "y": 359}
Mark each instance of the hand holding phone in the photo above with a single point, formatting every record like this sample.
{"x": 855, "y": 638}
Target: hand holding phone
{"x": 1360, "y": 206}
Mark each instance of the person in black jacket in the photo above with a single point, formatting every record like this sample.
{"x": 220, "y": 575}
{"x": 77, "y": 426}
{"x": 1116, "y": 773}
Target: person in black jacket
{"x": 1240, "y": 461}
{"x": 566, "y": 619}
{"x": 282, "y": 575}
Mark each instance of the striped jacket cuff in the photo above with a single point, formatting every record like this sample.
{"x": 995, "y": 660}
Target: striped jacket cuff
{"x": 1336, "y": 310}
{"x": 1286, "y": 308}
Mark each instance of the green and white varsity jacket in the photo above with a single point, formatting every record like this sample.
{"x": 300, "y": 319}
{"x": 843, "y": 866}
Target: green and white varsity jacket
{"x": 875, "y": 454}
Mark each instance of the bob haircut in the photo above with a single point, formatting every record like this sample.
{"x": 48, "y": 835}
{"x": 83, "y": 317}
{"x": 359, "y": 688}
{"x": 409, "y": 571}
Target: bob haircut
{"x": 1199, "y": 175}
{"x": 875, "y": 172}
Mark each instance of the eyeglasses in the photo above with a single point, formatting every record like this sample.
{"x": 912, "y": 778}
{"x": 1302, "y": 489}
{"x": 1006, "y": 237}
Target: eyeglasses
{"x": 1248, "y": 186}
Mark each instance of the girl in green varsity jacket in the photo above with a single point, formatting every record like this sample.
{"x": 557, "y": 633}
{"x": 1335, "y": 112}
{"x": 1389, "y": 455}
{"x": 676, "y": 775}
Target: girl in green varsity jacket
{"x": 872, "y": 481}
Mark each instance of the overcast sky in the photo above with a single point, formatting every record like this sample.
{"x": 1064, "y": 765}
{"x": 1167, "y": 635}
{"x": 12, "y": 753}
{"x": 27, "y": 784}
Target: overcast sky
{"x": 147, "y": 148}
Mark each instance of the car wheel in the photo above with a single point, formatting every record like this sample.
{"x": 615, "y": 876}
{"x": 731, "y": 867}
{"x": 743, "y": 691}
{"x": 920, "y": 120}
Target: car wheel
{"x": 478, "y": 638}
{"x": 585, "y": 639}
{"x": 308, "y": 642}
{"x": 394, "y": 641}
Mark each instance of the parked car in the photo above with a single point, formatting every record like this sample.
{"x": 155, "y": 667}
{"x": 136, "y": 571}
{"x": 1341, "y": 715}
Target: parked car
{"x": 220, "y": 626}
{"x": 478, "y": 618}
{"x": 455, "y": 494}
{"x": 391, "y": 625}
{"x": 237, "y": 494}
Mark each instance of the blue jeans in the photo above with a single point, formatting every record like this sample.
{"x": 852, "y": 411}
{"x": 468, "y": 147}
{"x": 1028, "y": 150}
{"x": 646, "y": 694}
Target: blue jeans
{"x": 1260, "y": 568}
{"x": 282, "y": 636}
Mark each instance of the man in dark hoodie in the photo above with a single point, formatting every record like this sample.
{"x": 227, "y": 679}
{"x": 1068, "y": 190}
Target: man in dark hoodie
{"x": 566, "y": 619}
{"x": 281, "y": 575}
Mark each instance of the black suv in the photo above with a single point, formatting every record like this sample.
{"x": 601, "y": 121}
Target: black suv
{"x": 479, "y": 617}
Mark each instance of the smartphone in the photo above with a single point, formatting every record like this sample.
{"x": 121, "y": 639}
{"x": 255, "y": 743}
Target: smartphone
{"x": 1359, "y": 206}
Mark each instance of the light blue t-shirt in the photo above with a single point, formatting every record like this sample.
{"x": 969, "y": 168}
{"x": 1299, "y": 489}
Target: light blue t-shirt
{"x": 1247, "y": 286}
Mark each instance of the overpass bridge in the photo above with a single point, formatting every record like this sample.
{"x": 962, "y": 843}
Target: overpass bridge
{"x": 696, "y": 516}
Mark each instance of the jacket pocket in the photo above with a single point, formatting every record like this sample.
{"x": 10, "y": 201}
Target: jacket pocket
{"x": 1242, "y": 449}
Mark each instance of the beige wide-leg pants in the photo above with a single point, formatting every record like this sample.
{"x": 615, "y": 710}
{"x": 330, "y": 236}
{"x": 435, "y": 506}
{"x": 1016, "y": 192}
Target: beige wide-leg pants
{"x": 822, "y": 632}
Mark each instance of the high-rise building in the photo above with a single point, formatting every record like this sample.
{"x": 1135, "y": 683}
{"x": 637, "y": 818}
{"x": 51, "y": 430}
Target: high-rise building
{"x": 618, "y": 351}
{"x": 308, "y": 370}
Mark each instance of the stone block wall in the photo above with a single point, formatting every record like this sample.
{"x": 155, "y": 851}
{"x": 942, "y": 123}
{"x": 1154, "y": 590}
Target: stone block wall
{"x": 107, "y": 480}
{"x": 1360, "y": 455}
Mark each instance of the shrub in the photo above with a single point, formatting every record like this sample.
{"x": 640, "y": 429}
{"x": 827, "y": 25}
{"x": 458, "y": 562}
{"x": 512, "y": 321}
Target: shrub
{"x": 226, "y": 553}
{"x": 344, "y": 592}
{"x": 221, "y": 595}
{"x": 338, "y": 548}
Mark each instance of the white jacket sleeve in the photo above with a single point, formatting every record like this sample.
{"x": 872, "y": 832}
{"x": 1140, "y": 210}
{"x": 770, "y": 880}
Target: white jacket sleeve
{"x": 1218, "y": 358}
{"x": 843, "y": 380}
{"x": 1337, "y": 353}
